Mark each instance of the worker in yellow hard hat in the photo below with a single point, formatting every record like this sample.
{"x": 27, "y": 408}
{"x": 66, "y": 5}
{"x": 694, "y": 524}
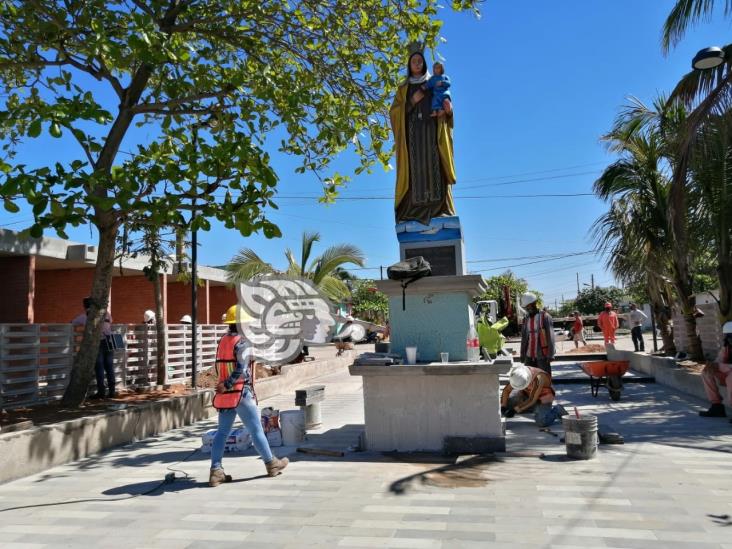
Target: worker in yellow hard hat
{"x": 235, "y": 396}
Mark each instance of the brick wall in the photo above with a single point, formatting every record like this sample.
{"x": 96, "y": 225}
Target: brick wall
{"x": 707, "y": 327}
{"x": 59, "y": 293}
{"x": 221, "y": 298}
{"x": 17, "y": 289}
{"x": 131, "y": 297}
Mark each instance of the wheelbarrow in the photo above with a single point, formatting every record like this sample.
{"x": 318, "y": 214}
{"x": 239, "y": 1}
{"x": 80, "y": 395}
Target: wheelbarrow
{"x": 606, "y": 373}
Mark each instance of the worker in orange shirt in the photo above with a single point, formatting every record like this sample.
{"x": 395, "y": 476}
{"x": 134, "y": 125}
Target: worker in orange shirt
{"x": 608, "y": 323}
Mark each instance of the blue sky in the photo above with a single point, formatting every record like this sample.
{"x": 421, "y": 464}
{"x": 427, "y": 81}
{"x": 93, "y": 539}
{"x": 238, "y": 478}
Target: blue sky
{"x": 535, "y": 85}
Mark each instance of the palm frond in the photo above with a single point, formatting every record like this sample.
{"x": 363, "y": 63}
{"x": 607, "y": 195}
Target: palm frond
{"x": 334, "y": 257}
{"x": 246, "y": 265}
{"x": 308, "y": 239}
{"x": 336, "y": 290}
{"x": 685, "y": 14}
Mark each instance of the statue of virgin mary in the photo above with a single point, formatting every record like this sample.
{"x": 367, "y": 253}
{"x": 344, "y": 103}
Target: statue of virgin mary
{"x": 424, "y": 149}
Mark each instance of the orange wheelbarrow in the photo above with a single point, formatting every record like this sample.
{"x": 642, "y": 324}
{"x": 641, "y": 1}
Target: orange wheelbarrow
{"x": 606, "y": 373}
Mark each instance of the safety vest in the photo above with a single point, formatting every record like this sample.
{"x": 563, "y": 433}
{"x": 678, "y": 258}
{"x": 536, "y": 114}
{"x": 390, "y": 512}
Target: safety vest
{"x": 225, "y": 365}
{"x": 534, "y": 331}
{"x": 547, "y": 394}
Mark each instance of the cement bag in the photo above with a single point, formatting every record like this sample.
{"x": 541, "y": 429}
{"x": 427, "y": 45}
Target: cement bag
{"x": 274, "y": 437}
{"x": 228, "y": 448}
{"x": 237, "y": 436}
{"x": 270, "y": 419}
{"x": 292, "y": 425}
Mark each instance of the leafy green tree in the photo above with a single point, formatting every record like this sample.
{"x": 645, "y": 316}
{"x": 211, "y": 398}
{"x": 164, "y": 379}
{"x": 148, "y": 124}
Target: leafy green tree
{"x": 369, "y": 303}
{"x": 516, "y": 286}
{"x": 591, "y": 301}
{"x": 317, "y": 75}
{"x": 325, "y": 271}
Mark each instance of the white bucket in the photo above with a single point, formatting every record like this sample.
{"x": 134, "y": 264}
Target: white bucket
{"x": 292, "y": 423}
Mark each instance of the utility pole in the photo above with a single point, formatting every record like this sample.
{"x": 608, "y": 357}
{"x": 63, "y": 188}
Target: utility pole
{"x": 593, "y": 280}
{"x": 381, "y": 270}
{"x": 578, "y": 289}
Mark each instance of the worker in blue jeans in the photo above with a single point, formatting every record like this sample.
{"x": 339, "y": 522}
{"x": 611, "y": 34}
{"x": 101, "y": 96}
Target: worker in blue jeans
{"x": 235, "y": 396}
{"x": 529, "y": 389}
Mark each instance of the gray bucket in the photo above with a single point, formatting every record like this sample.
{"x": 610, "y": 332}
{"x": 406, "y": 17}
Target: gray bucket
{"x": 580, "y": 436}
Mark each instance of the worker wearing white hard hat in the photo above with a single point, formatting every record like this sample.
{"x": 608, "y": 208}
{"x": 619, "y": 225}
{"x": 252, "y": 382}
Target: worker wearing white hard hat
{"x": 719, "y": 372}
{"x": 528, "y": 388}
{"x": 186, "y": 319}
{"x": 537, "y": 335}
{"x": 149, "y": 317}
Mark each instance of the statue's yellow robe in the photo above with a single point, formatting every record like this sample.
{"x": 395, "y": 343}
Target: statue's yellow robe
{"x": 398, "y": 116}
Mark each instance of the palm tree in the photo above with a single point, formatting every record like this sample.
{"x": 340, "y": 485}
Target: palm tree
{"x": 325, "y": 271}
{"x": 685, "y": 14}
{"x": 710, "y": 168}
{"x": 634, "y": 234}
{"x": 668, "y": 120}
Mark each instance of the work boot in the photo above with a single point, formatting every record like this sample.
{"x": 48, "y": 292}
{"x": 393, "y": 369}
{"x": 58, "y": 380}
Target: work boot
{"x": 715, "y": 410}
{"x": 217, "y": 477}
{"x": 276, "y": 466}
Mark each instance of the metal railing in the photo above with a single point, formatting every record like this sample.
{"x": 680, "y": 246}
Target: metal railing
{"x": 35, "y": 359}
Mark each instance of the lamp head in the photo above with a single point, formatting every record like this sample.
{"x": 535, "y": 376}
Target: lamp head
{"x": 708, "y": 58}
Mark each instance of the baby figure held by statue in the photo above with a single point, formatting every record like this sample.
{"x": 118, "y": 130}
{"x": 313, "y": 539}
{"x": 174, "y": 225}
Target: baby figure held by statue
{"x": 439, "y": 85}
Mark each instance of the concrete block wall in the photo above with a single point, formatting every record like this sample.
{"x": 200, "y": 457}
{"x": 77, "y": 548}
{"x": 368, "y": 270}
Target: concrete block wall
{"x": 708, "y": 328}
{"x": 17, "y": 289}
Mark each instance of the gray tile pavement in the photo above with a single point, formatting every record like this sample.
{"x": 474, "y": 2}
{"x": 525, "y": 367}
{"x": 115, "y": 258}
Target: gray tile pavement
{"x": 668, "y": 486}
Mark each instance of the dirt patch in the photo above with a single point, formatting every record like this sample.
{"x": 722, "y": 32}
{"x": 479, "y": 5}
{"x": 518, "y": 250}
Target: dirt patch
{"x": 55, "y": 412}
{"x": 592, "y": 348}
{"x": 18, "y": 419}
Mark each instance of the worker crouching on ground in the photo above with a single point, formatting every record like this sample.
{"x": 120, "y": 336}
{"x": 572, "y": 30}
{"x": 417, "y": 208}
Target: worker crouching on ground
{"x": 537, "y": 335}
{"x": 719, "y": 372}
{"x": 528, "y": 388}
{"x": 235, "y": 396}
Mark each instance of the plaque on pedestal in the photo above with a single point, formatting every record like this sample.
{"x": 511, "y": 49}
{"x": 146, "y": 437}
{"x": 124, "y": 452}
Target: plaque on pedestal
{"x": 440, "y": 243}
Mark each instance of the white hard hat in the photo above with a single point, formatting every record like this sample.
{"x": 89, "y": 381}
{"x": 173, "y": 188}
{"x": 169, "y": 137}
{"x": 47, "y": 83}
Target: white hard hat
{"x": 527, "y": 299}
{"x": 186, "y": 319}
{"x": 148, "y": 315}
{"x": 727, "y": 327}
{"x": 519, "y": 377}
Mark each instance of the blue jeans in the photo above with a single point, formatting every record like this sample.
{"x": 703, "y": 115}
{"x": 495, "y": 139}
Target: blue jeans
{"x": 104, "y": 365}
{"x": 249, "y": 414}
{"x": 546, "y": 414}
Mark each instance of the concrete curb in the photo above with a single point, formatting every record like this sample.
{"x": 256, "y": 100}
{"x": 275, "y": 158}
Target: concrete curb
{"x": 664, "y": 370}
{"x": 28, "y": 452}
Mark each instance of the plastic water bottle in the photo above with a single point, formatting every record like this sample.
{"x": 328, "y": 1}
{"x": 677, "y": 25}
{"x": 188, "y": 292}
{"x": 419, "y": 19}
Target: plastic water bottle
{"x": 473, "y": 345}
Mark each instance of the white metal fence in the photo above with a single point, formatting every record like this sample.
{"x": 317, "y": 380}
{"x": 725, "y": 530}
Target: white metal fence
{"x": 35, "y": 359}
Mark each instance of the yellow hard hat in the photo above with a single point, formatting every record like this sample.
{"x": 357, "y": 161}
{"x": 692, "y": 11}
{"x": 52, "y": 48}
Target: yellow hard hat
{"x": 231, "y": 315}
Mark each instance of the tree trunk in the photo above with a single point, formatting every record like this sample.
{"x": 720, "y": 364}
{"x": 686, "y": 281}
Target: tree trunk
{"x": 724, "y": 271}
{"x": 680, "y": 256}
{"x": 82, "y": 368}
{"x": 161, "y": 331}
{"x": 663, "y": 322}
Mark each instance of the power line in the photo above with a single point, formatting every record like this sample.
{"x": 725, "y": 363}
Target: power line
{"x": 552, "y": 195}
{"x": 520, "y": 258}
{"x": 533, "y": 262}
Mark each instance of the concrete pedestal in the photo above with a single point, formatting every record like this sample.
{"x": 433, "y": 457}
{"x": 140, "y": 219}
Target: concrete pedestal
{"x": 433, "y": 407}
{"x": 436, "y": 316}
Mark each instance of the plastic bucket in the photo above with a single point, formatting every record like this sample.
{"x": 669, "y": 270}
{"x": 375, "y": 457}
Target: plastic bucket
{"x": 411, "y": 355}
{"x": 580, "y": 436}
{"x": 292, "y": 424}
